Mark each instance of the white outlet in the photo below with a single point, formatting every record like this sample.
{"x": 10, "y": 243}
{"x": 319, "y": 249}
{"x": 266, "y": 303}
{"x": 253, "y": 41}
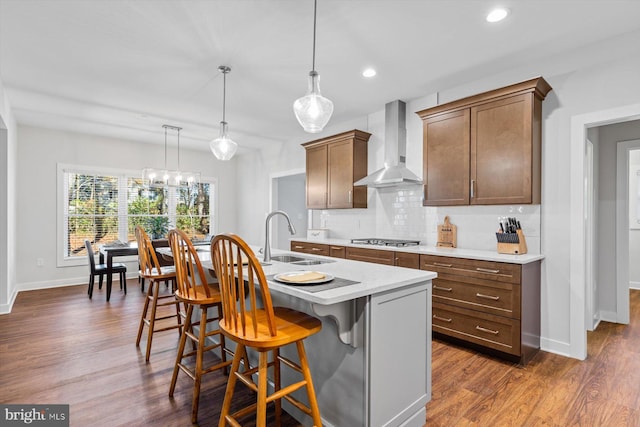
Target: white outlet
{"x": 40, "y": 262}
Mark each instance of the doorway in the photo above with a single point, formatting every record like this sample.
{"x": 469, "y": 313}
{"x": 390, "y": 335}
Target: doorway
{"x": 288, "y": 190}
{"x": 579, "y": 285}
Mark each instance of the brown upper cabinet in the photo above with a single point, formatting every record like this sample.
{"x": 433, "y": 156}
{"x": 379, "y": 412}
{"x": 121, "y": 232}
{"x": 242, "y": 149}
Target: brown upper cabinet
{"x": 333, "y": 165}
{"x": 485, "y": 149}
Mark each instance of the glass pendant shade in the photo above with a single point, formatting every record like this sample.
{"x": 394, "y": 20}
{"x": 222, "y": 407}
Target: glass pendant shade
{"x": 313, "y": 110}
{"x": 223, "y": 147}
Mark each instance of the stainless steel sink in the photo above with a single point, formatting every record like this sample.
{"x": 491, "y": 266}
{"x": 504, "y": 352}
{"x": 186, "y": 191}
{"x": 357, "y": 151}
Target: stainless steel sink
{"x": 291, "y": 259}
{"x": 286, "y": 258}
{"x": 311, "y": 262}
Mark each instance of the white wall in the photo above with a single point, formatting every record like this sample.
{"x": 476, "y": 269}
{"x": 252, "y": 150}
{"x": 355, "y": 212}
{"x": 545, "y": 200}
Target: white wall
{"x": 39, "y": 152}
{"x": 634, "y": 232}
{"x": 595, "y": 78}
{"x": 8, "y": 144}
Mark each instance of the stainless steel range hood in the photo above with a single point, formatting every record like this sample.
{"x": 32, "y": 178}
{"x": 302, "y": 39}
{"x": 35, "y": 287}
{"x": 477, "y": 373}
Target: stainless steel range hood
{"x": 395, "y": 171}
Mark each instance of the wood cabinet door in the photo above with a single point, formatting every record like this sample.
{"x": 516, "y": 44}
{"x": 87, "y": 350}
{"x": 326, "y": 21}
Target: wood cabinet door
{"x": 317, "y": 177}
{"x": 406, "y": 259}
{"x": 446, "y": 159}
{"x": 340, "y": 175}
{"x": 501, "y": 151}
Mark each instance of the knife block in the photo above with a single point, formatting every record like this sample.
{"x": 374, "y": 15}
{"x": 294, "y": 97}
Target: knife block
{"x": 515, "y": 248}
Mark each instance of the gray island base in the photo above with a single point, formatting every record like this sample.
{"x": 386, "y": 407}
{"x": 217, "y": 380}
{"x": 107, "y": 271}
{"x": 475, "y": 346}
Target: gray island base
{"x": 371, "y": 362}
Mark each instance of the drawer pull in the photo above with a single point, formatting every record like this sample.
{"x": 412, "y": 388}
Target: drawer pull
{"x": 316, "y": 249}
{"x": 298, "y": 247}
{"x": 491, "y": 297}
{"x": 490, "y": 331}
{"x": 487, "y": 270}
{"x": 337, "y": 248}
{"x": 444, "y": 319}
{"x": 439, "y": 264}
{"x": 439, "y": 288}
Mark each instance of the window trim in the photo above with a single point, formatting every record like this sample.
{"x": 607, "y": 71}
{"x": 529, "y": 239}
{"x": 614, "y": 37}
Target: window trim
{"x": 122, "y": 174}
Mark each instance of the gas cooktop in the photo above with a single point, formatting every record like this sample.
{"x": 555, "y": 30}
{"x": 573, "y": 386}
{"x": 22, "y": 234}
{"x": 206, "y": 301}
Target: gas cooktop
{"x": 385, "y": 242}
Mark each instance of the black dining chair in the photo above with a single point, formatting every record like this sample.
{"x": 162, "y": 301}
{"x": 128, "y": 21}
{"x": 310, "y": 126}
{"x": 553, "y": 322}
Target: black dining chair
{"x": 101, "y": 269}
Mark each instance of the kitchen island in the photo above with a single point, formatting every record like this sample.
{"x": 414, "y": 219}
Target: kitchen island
{"x": 371, "y": 362}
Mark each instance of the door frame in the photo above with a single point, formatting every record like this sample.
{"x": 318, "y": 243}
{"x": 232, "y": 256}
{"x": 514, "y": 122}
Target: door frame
{"x": 273, "y": 194}
{"x": 578, "y": 255}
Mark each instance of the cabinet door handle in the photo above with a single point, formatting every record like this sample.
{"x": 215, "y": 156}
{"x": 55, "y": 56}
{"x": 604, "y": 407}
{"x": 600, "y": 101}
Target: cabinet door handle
{"x": 424, "y": 191}
{"x": 439, "y": 264}
{"x": 435, "y": 287}
{"x": 491, "y": 297}
{"x": 350, "y": 196}
{"x": 442, "y": 318}
{"x": 487, "y": 270}
{"x": 489, "y": 331}
{"x": 473, "y": 184}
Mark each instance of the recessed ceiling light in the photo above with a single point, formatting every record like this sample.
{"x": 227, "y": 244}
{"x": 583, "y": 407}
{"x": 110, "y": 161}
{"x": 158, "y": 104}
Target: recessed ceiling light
{"x": 369, "y": 72}
{"x": 497, "y": 14}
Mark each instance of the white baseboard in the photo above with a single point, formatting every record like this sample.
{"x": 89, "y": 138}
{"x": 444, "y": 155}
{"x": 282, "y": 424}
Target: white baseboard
{"x": 634, "y": 285}
{"x": 556, "y": 347}
{"x": 6, "y": 308}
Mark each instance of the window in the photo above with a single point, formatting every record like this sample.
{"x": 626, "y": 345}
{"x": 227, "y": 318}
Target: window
{"x": 106, "y": 205}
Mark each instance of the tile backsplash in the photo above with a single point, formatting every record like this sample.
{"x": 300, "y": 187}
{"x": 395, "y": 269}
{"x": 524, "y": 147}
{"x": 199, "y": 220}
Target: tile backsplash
{"x": 397, "y": 212}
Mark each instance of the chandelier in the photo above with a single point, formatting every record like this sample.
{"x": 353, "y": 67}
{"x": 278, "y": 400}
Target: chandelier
{"x": 165, "y": 177}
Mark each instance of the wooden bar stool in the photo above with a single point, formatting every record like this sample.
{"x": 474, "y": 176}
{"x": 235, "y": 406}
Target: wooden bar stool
{"x": 151, "y": 270}
{"x": 262, "y": 327}
{"x": 195, "y": 291}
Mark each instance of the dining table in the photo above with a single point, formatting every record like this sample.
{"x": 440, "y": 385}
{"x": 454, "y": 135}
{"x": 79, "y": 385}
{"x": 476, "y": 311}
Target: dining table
{"x": 122, "y": 249}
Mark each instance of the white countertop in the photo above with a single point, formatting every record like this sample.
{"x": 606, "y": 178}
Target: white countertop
{"x": 372, "y": 278}
{"x": 432, "y": 250}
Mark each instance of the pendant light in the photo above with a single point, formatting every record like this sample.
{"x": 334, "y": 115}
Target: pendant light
{"x": 165, "y": 177}
{"x": 223, "y": 147}
{"x": 313, "y": 110}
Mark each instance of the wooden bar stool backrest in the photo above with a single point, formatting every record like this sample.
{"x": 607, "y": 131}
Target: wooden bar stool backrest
{"x": 231, "y": 256}
{"x": 189, "y": 272}
{"x": 147, "y": 256}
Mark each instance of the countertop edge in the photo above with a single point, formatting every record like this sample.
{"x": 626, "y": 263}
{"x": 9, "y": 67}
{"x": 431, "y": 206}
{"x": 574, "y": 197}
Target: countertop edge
{"x": 432, "y": 250}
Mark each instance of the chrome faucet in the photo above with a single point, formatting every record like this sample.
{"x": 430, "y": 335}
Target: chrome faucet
{"x": 267, "y": 246}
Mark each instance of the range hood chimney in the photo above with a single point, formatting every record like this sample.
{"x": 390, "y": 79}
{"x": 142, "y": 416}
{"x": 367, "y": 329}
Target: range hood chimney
{"x": 395, "y": 171}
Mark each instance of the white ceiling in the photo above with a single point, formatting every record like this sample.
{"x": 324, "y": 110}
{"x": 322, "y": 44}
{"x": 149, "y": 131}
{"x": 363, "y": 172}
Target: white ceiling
{"x": 123, "y": 68}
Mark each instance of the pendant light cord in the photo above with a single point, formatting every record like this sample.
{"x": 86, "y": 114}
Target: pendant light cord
{"x": 165, "y": 147}
{"x": 315, "y": 7}
{"x": 224, "y": 94}
{"x": 178, "y": 149}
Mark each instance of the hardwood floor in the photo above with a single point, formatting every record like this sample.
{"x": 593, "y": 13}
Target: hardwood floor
{"x": 470, "y": 389}
{"x": 57, "y": 346}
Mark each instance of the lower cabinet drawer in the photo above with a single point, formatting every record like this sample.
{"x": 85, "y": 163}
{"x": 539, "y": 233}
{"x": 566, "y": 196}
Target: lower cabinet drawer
{"x": 499, "y": 333}
{"x": 502, "y": 299}
{"x": 310, "y": 248}
{"x": 371, "y": 255}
